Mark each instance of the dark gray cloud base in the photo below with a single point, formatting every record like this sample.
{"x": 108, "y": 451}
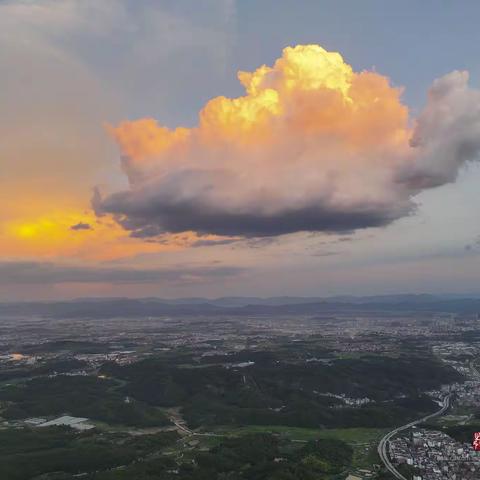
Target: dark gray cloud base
{"x": 177, "y": 215}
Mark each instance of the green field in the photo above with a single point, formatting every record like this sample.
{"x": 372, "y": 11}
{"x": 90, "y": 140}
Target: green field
{"x": 349, "y": 435}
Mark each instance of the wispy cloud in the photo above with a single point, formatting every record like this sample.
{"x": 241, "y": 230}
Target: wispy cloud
{"x": 81, "y": 226}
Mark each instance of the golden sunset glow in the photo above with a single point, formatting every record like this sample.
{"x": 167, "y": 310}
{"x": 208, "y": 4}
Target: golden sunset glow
{"x": 36, "y": 230}
{"x": 52, "y": 236}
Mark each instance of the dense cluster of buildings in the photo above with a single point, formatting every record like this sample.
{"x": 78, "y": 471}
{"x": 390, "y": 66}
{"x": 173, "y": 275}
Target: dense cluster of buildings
{"x": 435, "y": 456}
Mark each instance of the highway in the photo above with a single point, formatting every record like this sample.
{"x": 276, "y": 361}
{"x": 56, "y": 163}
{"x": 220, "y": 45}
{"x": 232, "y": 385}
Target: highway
{"x": 382, "y": 446}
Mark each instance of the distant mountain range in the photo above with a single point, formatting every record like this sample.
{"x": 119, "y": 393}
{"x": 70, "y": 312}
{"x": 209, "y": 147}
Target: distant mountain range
{"x": 152, "y": 307}
{"x": 290, "y": 300}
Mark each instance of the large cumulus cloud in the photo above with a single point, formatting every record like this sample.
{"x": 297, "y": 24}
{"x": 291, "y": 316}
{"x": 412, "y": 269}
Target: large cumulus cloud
{"x": 311, "y": 146}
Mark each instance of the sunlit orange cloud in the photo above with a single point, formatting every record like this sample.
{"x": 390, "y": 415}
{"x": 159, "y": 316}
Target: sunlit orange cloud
{"x": 308, "y": 92}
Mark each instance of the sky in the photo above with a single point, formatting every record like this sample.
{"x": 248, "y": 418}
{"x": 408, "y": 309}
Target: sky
{"x": 238, "y": 147}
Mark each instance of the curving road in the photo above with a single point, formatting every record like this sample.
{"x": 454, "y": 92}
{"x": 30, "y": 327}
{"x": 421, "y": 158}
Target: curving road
{"x": 382, "y": 446}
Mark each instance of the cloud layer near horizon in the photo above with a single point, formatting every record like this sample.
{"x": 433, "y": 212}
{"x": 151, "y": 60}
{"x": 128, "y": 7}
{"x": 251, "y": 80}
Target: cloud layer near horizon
{"x": 22, "y": 273}
{"x": 312, "y": 146}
